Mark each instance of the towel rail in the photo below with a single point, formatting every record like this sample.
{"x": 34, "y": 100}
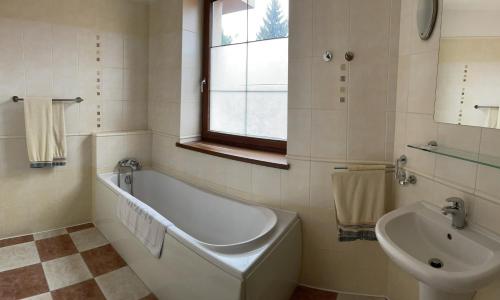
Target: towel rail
{"x": 389, "y": 169}
{"x": 77, "y": 99}
{"x": 485, "y": 106}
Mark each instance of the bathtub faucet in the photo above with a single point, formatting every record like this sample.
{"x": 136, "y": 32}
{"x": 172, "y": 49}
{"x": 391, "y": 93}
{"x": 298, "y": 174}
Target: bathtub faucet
{"x": 132, "y": 165}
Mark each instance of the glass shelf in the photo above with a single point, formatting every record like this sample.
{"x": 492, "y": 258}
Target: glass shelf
{"x": 481, "y": 159}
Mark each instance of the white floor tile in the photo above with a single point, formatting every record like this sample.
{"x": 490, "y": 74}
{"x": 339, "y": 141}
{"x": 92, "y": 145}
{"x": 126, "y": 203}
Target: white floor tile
{"x": 65, "y": 271}
{"x": 88, "y": 239}
{"x": 45, "y": 296}
{"x": 17, "y": 256}
{"x": 122, "y": 284}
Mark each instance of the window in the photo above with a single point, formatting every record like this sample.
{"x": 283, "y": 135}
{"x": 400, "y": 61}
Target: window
{"x": 246, "y": 73}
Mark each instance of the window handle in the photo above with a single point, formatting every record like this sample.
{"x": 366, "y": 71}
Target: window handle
{"x": 202, "y": 85}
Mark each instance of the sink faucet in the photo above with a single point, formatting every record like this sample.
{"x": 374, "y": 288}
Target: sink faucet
{"x": 457, "y": 211}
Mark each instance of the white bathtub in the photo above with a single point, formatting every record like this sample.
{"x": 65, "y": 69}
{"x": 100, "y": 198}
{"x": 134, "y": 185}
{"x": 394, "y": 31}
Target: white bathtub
{"x": 218, "y": 248}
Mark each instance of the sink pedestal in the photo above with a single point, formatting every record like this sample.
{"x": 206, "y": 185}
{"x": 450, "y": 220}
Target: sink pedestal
{"x": 430, "y": 293}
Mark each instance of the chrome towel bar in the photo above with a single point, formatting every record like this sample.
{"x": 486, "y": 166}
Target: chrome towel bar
{"x": 77, "y": 99}
{"x": 485, "y": 106}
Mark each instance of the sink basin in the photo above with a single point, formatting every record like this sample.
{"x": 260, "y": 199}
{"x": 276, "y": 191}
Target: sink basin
{"x": 449, "y": 263}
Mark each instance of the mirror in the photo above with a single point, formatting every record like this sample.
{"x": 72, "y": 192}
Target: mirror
{"x": 426, "y": 18}
{"x": 468, "y": 83}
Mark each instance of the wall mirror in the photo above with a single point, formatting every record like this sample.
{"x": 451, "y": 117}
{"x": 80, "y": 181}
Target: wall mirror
{"x": 468, "y": 83}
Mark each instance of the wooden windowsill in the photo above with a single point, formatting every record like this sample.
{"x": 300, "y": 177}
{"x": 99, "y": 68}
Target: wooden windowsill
{"x": 263, "y": 158}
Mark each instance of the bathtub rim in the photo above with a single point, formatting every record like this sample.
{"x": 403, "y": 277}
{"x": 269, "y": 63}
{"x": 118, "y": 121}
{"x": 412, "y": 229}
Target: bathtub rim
{"x": 107, "y": 177}
{"x": 287, "y": 220}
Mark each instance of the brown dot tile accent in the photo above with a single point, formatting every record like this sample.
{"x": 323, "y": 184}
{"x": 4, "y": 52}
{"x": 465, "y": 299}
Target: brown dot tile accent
{"x": 79, "y": 227}
{"x": 55, "y": 247}
{"x": 80, "y": 291}
{"x": 149, "y": 297}
{"x": 305, "y": 293}
{"x": 16, "y": 240}
{"x": 102, "y": 260}
{"x": 23, "y": 282}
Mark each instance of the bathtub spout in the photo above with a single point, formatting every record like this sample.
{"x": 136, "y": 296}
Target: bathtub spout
{"x": 132, "y": 165}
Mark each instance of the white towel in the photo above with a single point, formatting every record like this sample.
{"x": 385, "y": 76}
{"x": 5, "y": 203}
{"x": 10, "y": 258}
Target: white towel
{"x": 59, "y": 134}
{"x": 359, "y": 195}
{"x": 141, "y": 221}
{"x": 39, "y": 125}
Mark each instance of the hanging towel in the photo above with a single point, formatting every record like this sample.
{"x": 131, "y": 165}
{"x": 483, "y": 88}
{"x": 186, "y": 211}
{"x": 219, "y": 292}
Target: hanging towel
{"x": 144, "y": 222}
{"x": 59, "y": 134}
{"x": 359, "y": 194}
{"x": 39, "y": 123}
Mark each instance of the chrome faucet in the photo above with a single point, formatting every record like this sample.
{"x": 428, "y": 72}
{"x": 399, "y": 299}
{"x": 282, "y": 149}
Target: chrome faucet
{"x": 132, "y": 165}
{"x": 457, "y": 211}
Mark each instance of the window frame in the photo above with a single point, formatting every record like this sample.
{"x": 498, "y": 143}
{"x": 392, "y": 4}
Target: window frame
{"x": 254, "y": 143}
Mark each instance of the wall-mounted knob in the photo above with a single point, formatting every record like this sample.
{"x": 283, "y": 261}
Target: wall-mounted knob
{"x": 327, "y": 56}
{"x": 349, "y": 56}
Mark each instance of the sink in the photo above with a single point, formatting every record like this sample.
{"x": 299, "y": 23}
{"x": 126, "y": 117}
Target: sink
{"x": 449, "y": 263}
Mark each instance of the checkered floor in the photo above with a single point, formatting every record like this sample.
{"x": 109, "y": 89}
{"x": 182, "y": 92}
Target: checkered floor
{"x": 72, "y": 263}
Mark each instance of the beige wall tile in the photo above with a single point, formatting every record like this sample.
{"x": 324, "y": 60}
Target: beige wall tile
{"x": 295, "y": 184}
{"x": 329, "y": 134}
{"x": 266, "y": 185}
{"x": 321, "y": 185}
{"x": 456, "y": 171}
{"x": 299, "y": 132}
{"x": 301, "y": 23}
{"x": 422, "y": 82}
{"x": 299, "y": 83}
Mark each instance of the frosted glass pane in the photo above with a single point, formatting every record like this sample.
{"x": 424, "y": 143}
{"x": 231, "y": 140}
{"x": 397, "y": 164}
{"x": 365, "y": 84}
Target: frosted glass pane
{"x": 267, "y": 115}
{"x": 267, "y": 19}
{"x": 229, "y": 22}
{"x": 227, "y": 112}
{"x": 228, "y": 68}
{"x": 268, "y": 65}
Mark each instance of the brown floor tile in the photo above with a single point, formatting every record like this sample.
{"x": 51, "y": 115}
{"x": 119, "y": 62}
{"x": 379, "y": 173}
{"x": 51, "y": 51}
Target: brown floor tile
{"x": 16, "y": 240}
{"x": 79, "y": 227}
{"x": 149, "y": 297}
{"x": 55, "y": 247}
{"x": 102, "y": 260}
{"x": 305, "y": 293}
{"x": 23, "y": 282}
{"x": 80, "y": 291}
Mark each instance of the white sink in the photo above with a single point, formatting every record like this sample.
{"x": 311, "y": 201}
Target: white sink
{"x": 414, "y": 234}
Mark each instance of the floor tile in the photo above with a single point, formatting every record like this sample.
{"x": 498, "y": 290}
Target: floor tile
{"x": 66, "y": 271}
{"x": 79, "y": 227}
{"x": 44, "y": 296}
{"x": 56, "y": 247}
{"x": 16, "y": 240}
{"x": 149, "y": 297}
{"x": 122, "y": 284}
{"x": 102, "y": 260}
{"x": 49, "y": 234}
{"x": 23, "y": 282}
{"x": 88, "y": 239}
{"x": 17, "y": 256}
{"x": 305, "y": 293}
{"x": 80, "y": 291}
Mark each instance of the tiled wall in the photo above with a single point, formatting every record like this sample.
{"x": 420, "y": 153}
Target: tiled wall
{"x": 323, "y": 131}
{"x": 438, "y": 177}
{"x": 63, "y": 49}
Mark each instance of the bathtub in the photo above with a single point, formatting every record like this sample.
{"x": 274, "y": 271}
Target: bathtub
{"x": 217, "y": 248}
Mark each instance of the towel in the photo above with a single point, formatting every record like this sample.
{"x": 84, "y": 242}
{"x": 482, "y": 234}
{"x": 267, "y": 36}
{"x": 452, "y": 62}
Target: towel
{"x": 39, "y": 123}
{"x": 59, "y": 134}
{"x": 359, "y": 194}
{"x": 140, "y": 221}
